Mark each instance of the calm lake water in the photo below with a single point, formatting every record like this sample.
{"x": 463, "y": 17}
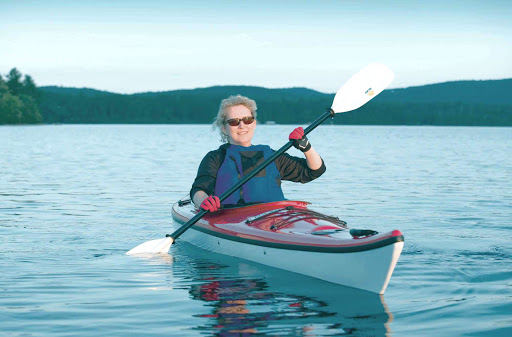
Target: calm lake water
{"x": 75, "y": 198}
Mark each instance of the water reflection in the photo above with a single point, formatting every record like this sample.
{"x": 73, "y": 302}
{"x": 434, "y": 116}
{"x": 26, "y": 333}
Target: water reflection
{"x": 242, "y": 299}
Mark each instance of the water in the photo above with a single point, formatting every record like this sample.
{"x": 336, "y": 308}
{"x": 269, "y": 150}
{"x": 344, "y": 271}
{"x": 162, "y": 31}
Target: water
{"x": 75, "y": 198}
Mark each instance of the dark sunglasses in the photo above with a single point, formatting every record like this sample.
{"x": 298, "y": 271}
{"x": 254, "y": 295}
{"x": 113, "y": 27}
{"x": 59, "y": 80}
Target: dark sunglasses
{"x": 236, "y": 121}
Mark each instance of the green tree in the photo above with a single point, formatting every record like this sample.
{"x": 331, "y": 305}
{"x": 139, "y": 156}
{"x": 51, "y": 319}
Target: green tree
{"x": 29, "y": 88}
{"x": 19, "y": 100}
{"x": 3, "y": 87}
{"x": 30, "y": 111}
{"x": 10, "y": 109}
{"x": 14, "y": 81}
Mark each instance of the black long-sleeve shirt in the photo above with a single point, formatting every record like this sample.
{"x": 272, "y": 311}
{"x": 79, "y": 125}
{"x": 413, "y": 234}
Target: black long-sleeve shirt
{"x": 290, "y": 168}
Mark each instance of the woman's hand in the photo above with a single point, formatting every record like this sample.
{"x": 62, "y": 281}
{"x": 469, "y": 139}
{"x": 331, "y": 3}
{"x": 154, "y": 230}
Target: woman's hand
{"x": 211, "y": 203}
{"x": 300, "y": 141}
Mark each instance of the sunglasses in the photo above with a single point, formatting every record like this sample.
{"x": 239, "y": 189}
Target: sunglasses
{"x": 236, "y": 121}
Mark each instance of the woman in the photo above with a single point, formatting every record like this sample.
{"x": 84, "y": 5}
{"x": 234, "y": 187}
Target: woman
{"x": 222, "y": 168}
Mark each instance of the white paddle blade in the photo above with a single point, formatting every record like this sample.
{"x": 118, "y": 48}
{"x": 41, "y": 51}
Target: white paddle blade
{"x": 362, "y": 87}
{"x": 158, "y": 246}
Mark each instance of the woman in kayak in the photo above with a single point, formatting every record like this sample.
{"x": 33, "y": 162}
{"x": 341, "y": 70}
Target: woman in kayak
{"x": 222, "y": 168}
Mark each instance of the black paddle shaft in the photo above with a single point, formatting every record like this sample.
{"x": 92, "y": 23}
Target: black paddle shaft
{"x": 328, "y": 113}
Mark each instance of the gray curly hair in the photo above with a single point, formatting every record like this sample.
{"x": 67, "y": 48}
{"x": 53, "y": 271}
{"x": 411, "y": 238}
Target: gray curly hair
{"x": 225, "y": 104}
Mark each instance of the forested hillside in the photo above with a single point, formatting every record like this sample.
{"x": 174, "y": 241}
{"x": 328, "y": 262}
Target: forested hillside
{"x": 181, "y": 106}
{"x": 479, "y": 92}
{"x": 465, "y": 103}
{"x": 470, "y": 103}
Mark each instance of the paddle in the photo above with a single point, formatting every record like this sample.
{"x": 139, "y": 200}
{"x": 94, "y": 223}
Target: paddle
{"x": 356, "y": 92}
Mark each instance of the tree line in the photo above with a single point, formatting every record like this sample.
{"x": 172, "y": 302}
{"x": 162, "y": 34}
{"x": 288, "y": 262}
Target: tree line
{"x": 282, "y": 106}
{"x": 177, "y": 107}
{"x": 19, "y": 99}
{"x": 463, "y": 103}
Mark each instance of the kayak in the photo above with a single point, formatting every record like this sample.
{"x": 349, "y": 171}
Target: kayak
{"x": 290, "y": 236}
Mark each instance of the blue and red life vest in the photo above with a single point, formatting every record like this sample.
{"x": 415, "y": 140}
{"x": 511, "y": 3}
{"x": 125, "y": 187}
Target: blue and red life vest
{"x": 239, "y": 161}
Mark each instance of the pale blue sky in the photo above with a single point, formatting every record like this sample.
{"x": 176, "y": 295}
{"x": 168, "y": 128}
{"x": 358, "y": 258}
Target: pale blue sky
{"x": 134, "y": 46}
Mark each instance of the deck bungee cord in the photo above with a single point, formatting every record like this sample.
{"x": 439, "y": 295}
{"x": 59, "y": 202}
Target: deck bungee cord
{"x": 290, "y": 214}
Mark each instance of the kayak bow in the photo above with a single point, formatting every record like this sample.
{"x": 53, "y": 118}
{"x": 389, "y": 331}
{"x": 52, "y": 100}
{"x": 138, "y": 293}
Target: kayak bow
{"x": 288, "y": 235}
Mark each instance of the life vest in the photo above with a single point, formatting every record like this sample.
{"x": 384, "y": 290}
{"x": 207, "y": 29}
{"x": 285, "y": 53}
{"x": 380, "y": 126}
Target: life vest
{"x": 239, "y": 161}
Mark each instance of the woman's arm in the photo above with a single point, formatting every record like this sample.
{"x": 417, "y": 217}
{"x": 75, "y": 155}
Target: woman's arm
{"x": 313, "y": 159}
{"x": 296, "y": 169}
{"x": 199, "y": 197}
{"x": 204, "y": 183}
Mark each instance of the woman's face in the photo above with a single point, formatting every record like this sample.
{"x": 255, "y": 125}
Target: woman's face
{"x": 241, "y": 134}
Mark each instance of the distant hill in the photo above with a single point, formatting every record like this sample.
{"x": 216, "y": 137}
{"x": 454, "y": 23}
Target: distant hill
{"x": 485, "y": 92}
{"x": 450, "y": 103}
{"x": 70, "y": 105}
{"x": 74, "y": 91}
{"x": 231, "y": 90}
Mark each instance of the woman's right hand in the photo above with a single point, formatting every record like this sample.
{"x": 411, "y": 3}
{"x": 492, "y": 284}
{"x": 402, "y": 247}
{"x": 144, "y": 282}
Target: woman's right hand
{"x": 211, "y": 203}
{"x": 300, "y": 141}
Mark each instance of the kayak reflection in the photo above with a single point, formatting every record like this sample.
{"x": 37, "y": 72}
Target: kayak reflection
{"x": 245, "y": 298}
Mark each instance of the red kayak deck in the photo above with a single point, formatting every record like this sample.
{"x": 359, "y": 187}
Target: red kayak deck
{"x": 284, "y": 224}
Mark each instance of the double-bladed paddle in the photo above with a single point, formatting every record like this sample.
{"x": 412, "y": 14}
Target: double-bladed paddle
{"x": 357, "y": 91}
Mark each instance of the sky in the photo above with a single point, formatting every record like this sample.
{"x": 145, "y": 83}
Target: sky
{"x": 133, "y": 46}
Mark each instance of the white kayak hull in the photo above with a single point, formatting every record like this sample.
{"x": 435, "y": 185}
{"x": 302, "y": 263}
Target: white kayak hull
{"x": 368, "y": 270}
{"x": 290, "y": 236}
